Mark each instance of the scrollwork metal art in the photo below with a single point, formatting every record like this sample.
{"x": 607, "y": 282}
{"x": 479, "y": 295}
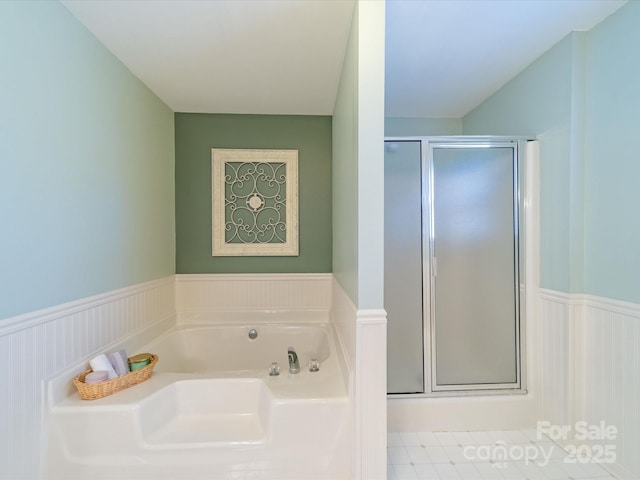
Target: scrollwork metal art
{"x": 255, "y": 202}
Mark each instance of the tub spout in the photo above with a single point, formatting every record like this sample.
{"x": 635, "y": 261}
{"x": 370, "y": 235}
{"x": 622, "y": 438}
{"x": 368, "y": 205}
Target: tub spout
{"x": 294, "y": 364}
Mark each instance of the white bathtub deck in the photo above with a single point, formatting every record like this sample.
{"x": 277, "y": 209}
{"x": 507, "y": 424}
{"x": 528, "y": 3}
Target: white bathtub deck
{"x": 238, "y": 429}
{"x": 178, "y": 425}
{"x": 212, "y": 411}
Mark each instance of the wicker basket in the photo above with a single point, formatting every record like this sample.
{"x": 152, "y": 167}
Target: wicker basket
{"x": 93, "y": 391}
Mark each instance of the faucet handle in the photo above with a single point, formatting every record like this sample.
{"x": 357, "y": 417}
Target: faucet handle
{"x": 314, "y": 365}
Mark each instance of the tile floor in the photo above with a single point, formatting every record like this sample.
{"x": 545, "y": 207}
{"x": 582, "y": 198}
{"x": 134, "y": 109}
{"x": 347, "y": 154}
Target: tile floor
{"x": 477, "y": 456}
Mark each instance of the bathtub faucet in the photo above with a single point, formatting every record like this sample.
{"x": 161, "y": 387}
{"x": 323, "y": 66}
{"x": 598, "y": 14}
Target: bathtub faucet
{"x": 294, "y": 364}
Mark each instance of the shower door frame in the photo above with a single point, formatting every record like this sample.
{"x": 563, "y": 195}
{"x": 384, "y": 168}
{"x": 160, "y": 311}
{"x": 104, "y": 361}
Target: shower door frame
{"x": 521, "y": 196}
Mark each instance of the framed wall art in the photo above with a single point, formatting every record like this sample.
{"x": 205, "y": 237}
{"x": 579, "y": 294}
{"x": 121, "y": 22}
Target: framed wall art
{"x": 254, "y": 202}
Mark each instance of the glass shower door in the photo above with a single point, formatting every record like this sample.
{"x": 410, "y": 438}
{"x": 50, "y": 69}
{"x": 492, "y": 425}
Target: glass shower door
{"x": 452, "y": 265}
{"x": 474, "y": 274}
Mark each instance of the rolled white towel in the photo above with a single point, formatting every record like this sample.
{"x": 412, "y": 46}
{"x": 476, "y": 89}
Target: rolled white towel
{"x": 120, "y": 362}
{"x": 101, "y": 362}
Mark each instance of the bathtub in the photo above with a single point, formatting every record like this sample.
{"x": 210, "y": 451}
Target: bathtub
{"x": 226, "y": 351}
{"x": 211, "y": 410}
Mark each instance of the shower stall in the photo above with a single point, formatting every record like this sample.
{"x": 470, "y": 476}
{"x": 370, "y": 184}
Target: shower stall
{"x": 454, "y": 265}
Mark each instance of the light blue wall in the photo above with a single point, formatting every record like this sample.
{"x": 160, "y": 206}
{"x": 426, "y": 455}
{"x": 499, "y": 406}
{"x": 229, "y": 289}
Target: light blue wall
{"x": 582, "y": 100}
{"x": 86, "y": 161}
{"x": 345, "y": 171}
{"x": 371, "y": 155}
{"x": 612, "y": 187}
{"x": 538, "y": 102}
{"x": 358, "y": 161}
{"x": 421, "y": 127}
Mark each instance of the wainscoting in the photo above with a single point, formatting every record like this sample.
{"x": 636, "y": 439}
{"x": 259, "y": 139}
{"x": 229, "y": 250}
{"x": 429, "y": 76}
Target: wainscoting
{"x": 589, "y": 361}
{"x": 590, "y": 366}
{"x": 58, "y": 342}
{"x": 38, "y": 346}
{"x": 232, "y": 292}
{"x": 554, "y": 321}
{"x": 361, "y": 333}
{"x": 363, "y": 338}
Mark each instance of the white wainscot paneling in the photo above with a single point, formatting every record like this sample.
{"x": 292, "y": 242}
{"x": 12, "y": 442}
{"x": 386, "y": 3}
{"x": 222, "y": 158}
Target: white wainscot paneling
{"x": 343, "y": 316}
{"x": 590, "y": 363}
{"x": 554, "y": 353}
{"x": 370, "y": 394}
{"x": 41, "y": 345}
{"x": 363, "y": 339}
{"x": 608, "y": 376}
{"x": 252, "y": 292}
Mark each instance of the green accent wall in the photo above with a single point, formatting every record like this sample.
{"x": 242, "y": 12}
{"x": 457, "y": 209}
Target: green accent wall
{"x": 86, "y": 165}
{"x": 196, "y": 134}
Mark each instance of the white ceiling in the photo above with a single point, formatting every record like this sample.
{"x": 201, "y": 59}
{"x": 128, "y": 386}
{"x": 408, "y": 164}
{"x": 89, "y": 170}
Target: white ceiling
{"x": 443, "y": 57}
{"x": 228, "y": 56}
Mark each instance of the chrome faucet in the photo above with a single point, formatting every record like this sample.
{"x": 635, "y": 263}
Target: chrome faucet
{"x": 294, "y": 364}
